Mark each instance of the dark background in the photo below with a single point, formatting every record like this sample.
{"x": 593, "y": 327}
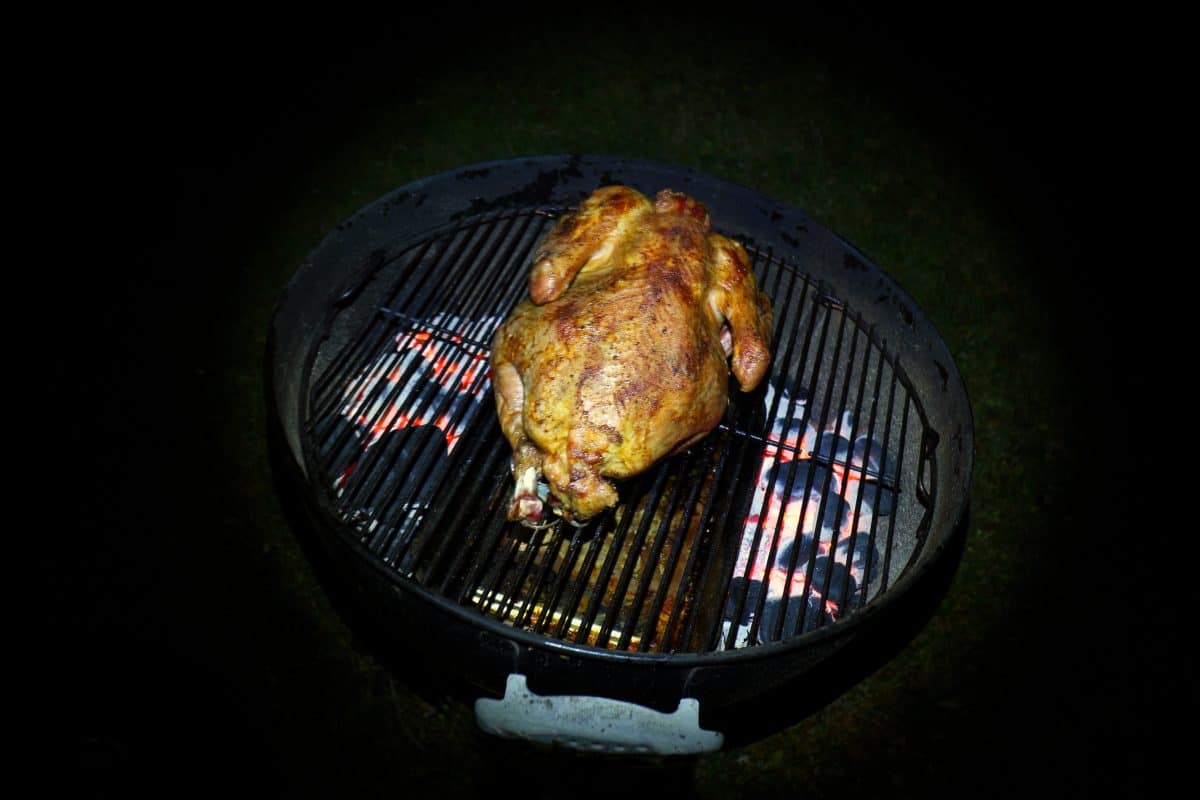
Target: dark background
{"x": 190, "y": 644}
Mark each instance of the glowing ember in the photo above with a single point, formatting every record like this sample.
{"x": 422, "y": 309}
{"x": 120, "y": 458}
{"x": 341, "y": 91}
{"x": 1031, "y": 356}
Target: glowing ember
{"x": 429, "y": 379}
{"x": 409, "y": 407}
{"x": 808, "y": 528}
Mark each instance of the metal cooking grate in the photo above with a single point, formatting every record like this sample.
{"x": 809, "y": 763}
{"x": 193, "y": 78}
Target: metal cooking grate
{"x": 805, "y": 504}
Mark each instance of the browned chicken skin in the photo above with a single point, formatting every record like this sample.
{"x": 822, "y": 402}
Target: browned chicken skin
{"x": 621, "y": 354}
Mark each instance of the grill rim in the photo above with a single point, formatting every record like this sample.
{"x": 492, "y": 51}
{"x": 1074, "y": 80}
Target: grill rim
{"x": 931, "y": 553}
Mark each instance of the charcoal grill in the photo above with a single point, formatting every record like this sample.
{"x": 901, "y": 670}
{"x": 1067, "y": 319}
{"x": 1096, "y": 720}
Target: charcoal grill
{"x": 737, "y": 586}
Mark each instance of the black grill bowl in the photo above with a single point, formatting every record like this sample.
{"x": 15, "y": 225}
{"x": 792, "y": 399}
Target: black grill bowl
{"x": 403, "y": 522}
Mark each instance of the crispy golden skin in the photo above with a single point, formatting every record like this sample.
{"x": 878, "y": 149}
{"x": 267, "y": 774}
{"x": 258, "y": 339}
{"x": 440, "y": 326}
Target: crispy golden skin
{"x": 621, "y": 355}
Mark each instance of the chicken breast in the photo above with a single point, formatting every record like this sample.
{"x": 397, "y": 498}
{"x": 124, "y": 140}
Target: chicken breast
{"x": 637, "y": 313}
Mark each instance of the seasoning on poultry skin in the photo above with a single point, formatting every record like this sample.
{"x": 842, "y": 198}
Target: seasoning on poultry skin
{"x": 637, "y": 312}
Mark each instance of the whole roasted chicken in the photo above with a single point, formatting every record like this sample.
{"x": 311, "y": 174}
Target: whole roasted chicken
{"x": 621, "y": 355}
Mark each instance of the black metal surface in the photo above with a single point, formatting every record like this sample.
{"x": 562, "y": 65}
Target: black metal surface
{"x": 386, "y": 426}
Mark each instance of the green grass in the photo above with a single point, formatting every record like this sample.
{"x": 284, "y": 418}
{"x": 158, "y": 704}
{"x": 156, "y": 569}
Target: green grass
{"x": 215, "y": 606}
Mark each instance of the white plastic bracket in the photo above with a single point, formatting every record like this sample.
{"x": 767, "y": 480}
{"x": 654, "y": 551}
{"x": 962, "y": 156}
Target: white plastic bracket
{"x": 598, "y": 724}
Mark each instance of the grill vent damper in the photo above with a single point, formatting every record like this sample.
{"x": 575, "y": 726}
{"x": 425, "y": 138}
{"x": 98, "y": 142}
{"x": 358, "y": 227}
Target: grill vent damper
{"x": 808, "y": 535}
